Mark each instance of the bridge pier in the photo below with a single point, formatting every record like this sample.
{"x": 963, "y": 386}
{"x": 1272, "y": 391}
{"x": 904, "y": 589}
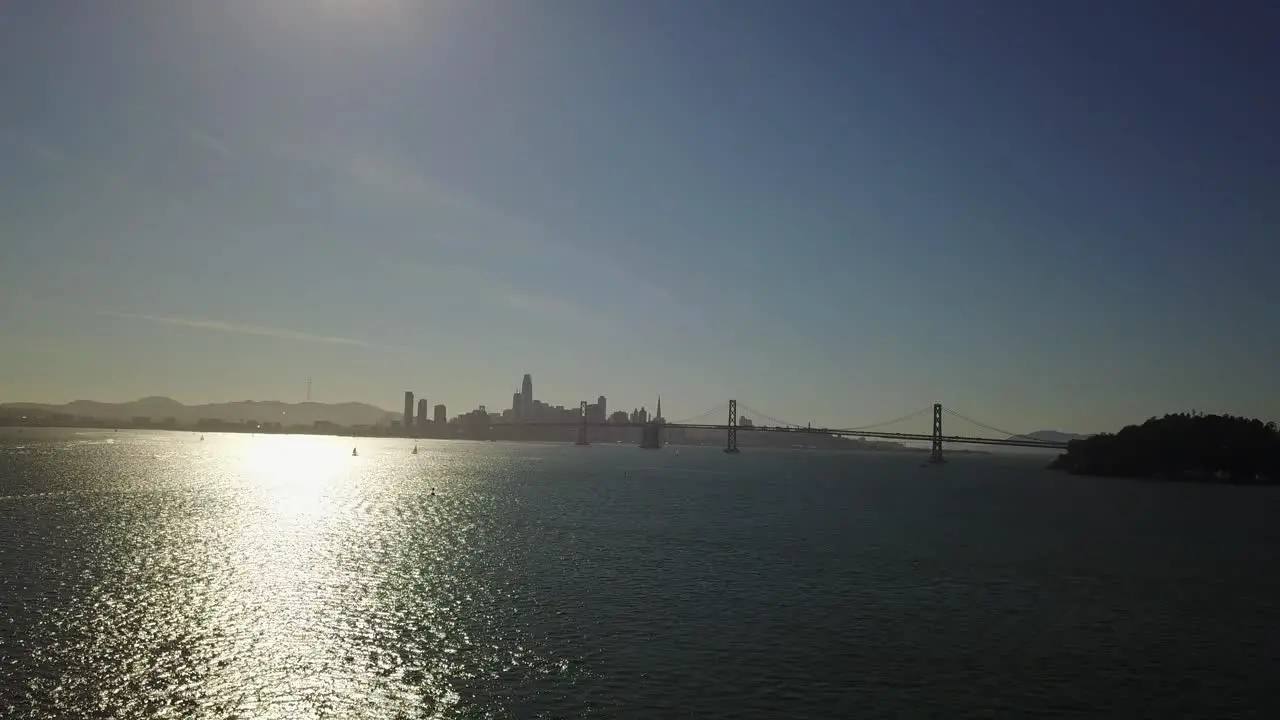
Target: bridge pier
{"x": 582, "y": 425}
{"x": 935, "y": 450}
{"x": 731, "y": 430}
{"x": 651, "y": 436}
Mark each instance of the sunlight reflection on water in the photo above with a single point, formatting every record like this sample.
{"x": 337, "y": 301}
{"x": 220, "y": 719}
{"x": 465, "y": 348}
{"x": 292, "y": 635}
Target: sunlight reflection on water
{"x": 160, "y": 576}
{"x": 273, "y": 577}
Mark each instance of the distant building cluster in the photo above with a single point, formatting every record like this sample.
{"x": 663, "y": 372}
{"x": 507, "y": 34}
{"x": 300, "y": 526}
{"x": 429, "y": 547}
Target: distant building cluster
{"x": 421, "y": 421}
{"x": 639, "y": 415}
{"x": 525, "y": 410}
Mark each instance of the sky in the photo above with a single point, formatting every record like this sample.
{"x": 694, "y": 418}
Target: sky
{"x": 1043, "y": 215}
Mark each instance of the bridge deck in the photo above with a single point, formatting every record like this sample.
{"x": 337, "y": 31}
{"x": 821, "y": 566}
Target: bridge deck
{"x": 839, "y": 432}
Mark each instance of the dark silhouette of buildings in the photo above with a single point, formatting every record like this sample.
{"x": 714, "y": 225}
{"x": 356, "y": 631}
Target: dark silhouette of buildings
{"x": 440, "y": 416}
{"x": 651, "y": 434}
{"x": 422, "y": 413}
{"x": 526, "y": 396}
{"x": 596, "y": 411}
{"x": 408, "y": 409}
{"x": 525, "y": 409}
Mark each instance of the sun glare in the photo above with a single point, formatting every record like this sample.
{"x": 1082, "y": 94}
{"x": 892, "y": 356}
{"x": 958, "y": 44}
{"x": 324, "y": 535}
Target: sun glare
{"x": 298, "y": 473}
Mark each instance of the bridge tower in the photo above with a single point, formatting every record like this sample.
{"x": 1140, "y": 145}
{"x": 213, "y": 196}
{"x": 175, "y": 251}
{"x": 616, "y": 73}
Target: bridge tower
{"x": 731, "y": 439}
{"x": 935, "y": 451}
{"x": 582, "y": 424}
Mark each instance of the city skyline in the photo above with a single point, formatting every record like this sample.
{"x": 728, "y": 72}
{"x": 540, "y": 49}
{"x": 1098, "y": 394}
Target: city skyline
{"x": 837, "y": 213}
{"x": 526, "y": 408}
{"x": 414, "y": 404}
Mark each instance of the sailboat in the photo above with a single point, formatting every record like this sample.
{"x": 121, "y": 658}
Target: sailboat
{"x": 415, "y": 448}
{"x": 354, "y": 453}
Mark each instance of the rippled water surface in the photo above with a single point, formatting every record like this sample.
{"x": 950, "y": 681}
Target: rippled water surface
{"x": 155, "y": 575}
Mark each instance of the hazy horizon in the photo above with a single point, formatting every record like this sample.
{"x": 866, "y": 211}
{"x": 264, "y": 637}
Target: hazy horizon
{"x": 1049, "y": 216}
{"x": 453, "y": 412}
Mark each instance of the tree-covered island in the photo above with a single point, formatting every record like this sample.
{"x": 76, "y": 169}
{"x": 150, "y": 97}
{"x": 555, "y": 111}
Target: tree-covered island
{"x": 1185, "y": 446}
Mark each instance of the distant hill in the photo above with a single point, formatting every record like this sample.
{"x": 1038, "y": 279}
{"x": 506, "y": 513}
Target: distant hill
{"x": 159, "y": 408}
{"x": 1050, "y": 436}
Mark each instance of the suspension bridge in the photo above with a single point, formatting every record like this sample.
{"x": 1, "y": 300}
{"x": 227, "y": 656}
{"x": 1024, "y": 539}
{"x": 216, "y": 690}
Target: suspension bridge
{"x": 761, "y": 422}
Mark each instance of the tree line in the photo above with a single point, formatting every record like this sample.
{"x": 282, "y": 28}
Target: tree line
{"x": 1192, "y": 446}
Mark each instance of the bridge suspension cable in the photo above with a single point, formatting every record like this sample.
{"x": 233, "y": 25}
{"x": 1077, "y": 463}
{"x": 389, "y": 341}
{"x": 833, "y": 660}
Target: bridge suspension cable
{"x": 775, "y": 422}
{"x": 872, "y": 426}
{"x": 770, "y": 421}
{"x": 763, "y": 419}
{"x": 985, "y": 426}
{"x": 711, "y": 413}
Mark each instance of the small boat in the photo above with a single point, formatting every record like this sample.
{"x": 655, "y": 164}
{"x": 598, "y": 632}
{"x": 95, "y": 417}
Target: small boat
{"x": 202, "y": 437}
{"x": 354, "y": 453}
{"x": 415, "y": 448}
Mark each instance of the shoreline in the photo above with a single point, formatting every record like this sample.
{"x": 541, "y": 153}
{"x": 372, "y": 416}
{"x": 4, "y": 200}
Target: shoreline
{"x": 358, "y": 433}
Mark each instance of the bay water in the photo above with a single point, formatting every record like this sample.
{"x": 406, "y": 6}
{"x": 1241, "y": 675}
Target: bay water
{"x": 155, "y": 575}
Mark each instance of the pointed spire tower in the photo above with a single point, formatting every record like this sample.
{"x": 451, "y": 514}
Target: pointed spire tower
{"x": 651, "y": 433}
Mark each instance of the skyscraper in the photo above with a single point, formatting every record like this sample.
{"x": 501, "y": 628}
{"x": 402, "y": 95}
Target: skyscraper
{"x": 422, "y": 412}
{"x": 408, "y": 409}
{"x": 604, "y": 409}
{"x": 526, "y": 395}
{"x": 441, "y": 418}
{"x": 516, "y": 405}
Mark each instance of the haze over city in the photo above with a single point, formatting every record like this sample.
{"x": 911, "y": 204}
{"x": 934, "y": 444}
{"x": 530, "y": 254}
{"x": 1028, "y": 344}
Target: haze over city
{"x": 1061, "y": 216}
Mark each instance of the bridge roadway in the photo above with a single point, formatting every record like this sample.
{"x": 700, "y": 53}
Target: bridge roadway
{"x": 876, "y": 434}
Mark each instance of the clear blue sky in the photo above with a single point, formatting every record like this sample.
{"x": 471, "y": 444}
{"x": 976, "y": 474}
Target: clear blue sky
{"x": 1043, "y": 214}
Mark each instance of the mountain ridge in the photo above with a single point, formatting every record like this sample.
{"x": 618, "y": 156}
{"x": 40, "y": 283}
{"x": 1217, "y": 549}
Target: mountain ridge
{"x": 159, "y": 407}
{"x": 1055, "y": 436}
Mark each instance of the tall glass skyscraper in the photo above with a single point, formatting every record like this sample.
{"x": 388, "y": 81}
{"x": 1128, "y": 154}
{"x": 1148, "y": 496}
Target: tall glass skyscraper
{"x": 526, "y": 395}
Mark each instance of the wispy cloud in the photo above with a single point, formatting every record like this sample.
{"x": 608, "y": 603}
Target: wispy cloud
{"x": 650, "y": 290}
{"x": 388, "y": 177}
{"x": 557, "y": 310}
{"x": 210, "y": 142}
{"x": 78, "y": 166}
{"x": 553, "y": 309}
{"x": 385, "y": 176}
{"x": 243, "y": 329}
{"x": 44, "y": 152}
{"x": 392, "y": 178}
